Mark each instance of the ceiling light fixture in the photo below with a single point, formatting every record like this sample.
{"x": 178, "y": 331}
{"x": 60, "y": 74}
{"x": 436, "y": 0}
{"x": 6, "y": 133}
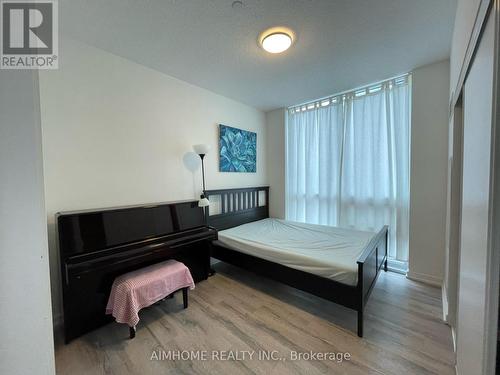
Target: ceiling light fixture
{"x": 237, "y": 4}
{"x": 276, "y": 39}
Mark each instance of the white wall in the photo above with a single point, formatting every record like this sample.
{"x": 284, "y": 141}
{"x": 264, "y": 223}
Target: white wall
{"x": 466, "y": 282}
{"x": 476, "y": 209}
{"x": 115, "y": 132}
{"x": 454, "y": 198}
{"x": 275, "y": 121}
{"x": 464, "y": 23}
{"x": 428, "y": 172}
{"x": 26, "y": 343}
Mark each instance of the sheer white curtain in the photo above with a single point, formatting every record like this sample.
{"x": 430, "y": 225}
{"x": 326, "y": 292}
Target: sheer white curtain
{"x": 314, "y": 152}
{"x": 347, "y": 162}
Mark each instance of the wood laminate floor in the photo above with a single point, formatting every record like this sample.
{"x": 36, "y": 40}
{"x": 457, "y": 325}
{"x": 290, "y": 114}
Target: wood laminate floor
{"x": 238, "y": 313}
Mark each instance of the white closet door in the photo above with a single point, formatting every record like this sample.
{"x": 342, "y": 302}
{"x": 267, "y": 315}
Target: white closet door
{"x": 478, "y": 98}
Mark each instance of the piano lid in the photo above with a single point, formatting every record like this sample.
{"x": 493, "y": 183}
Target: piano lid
{"x": 88, "y": 231}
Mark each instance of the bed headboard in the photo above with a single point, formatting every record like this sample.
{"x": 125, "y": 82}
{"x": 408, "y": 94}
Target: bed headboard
{"x": 237, "y": 206}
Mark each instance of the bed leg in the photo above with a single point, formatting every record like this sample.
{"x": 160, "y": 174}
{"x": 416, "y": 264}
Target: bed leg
{"x": 385, "y": 265}
{"x": 360, "y": 323}
{"x": 132, "y": 332}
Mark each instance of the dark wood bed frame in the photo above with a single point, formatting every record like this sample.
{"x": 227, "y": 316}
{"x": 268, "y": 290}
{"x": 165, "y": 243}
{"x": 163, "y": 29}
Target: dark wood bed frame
{"x": 240, "y": 206}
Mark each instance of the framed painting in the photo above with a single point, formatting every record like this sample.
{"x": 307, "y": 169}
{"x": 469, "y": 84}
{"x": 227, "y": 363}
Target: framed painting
{"x": 237, "y": 150}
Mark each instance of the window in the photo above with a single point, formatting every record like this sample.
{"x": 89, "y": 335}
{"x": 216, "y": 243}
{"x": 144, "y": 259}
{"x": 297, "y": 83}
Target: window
{"x": 347, "y": 162}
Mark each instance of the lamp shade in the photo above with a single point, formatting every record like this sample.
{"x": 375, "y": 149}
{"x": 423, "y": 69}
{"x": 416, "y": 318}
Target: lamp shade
{"x": 201, "y": 149}
{"x": 203, "y": 202}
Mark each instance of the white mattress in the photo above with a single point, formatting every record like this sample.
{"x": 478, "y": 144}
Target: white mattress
{"x": 329, "y": 252}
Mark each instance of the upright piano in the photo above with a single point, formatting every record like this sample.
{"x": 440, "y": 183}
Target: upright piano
{"x": 95, "y": 246}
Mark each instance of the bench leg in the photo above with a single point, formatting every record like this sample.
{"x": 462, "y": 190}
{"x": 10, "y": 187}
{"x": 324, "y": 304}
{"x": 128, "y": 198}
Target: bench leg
{"x": 185, "y": 297}
{"x": 132, "y": 332}
{"x": 360, "y": 323}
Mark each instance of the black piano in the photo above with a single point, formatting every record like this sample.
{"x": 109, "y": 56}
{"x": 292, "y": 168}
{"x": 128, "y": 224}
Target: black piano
{"x": 98, "y": 245}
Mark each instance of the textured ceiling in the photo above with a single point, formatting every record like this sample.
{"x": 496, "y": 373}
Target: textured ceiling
{"x": 341, "y": 44}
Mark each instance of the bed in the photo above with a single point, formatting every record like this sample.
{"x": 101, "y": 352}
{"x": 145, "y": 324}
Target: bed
{"x": 337, "y": 264}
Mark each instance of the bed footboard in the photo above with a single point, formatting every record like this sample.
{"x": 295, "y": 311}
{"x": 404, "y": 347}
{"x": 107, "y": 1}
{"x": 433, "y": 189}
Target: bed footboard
{"x": 370, "y": 262}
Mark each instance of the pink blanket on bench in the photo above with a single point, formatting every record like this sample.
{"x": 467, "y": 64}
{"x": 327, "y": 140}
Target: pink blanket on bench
{"x": 141, "y": 288}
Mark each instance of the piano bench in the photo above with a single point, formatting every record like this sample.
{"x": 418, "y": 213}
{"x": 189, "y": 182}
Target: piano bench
{"x": 138, "y": 289}
{"x": 184, "y": 301}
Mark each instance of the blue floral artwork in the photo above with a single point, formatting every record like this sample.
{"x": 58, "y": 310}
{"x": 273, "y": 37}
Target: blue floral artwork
{"x": 237, "y": 150}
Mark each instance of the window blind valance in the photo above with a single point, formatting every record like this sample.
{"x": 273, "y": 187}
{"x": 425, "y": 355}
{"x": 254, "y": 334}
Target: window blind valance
{"x": 357, "y": 93}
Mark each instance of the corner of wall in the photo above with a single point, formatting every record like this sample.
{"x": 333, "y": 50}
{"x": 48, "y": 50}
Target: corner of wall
{"x": 428, "y": 172}
{"x": 275, "y": 132}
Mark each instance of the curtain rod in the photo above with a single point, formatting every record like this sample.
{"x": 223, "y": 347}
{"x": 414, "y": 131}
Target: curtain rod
{"x": 350, "y": 91}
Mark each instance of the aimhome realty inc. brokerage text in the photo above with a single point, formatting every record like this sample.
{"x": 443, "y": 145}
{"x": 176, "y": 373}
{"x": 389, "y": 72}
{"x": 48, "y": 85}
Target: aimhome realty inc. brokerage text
{"x": 247, "y": 355}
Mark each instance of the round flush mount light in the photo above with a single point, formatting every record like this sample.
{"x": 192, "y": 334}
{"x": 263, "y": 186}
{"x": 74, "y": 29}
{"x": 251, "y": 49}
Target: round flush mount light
{"x": 276, "y": 39}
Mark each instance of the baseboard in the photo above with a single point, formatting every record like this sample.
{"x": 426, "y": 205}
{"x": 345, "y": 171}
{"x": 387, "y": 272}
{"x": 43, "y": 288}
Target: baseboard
{"x": 454, "y": 338}
{"x": 397, "y": 266}
{"x": 446, "y": 319}
{"x": 424, "y": 278}
{"x": 444, "y": 299}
